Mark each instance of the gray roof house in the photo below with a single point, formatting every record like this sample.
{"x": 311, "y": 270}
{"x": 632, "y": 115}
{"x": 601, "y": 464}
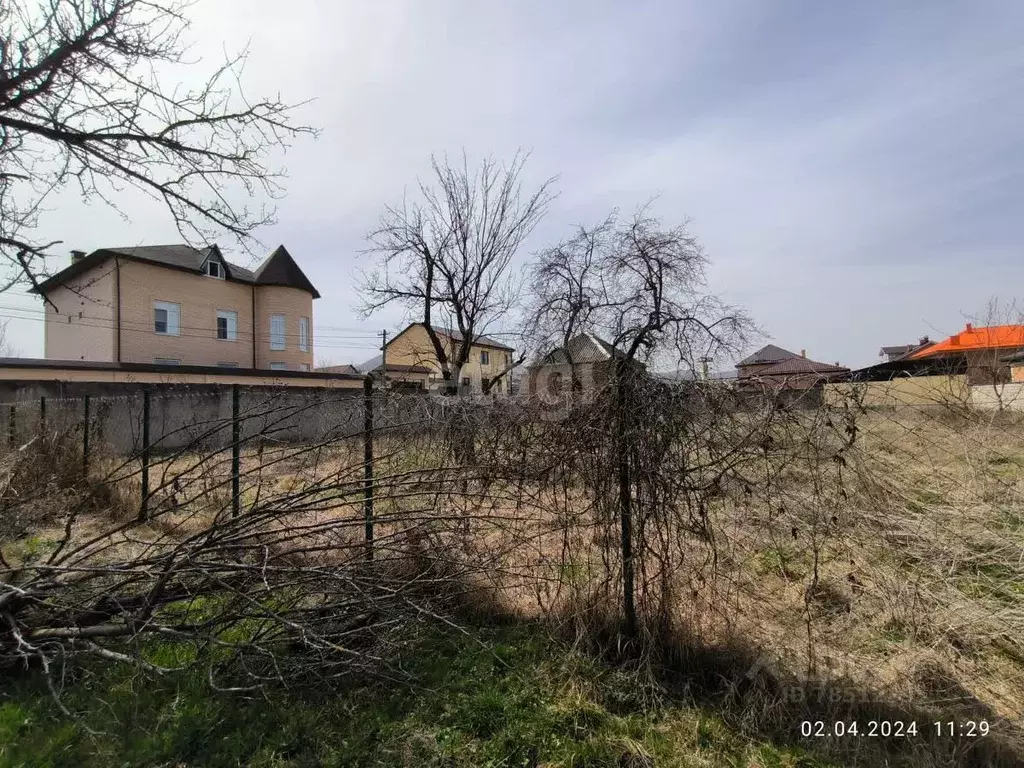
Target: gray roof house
{"x": 902, "y": 351}
{"x": 279, "y": 268}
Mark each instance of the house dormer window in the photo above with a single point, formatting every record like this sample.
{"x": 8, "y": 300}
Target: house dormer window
{"x": 215, "y": 269}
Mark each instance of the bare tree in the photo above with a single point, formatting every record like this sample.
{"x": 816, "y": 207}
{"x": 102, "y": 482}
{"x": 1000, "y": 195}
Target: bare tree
{"x": 641, "y": 286}
{"x": 90, "y": 96}
{"x": 6, "y": 348}
{"x": 638, "y": 284}
{"x": 447, "y": 259}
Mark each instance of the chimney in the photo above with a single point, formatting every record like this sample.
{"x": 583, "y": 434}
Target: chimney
{"x": 803, "y": 353}
{"x": 922, "y": 341}
{"x": 969, "y": 328}
{"x": 77, "y": 256}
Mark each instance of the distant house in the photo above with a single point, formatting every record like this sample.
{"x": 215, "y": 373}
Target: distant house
{"x": 765, "y": 357}
{"x": 779, "y": 368}
{"x": 682, "y": 374}
{"x": 908, "y": 367}
{"x": 903, "y": 351}
{"x": 346, "y": 368}
{"x": 397, "y": 374}
{"x": 410, "y": 359}
{"x": 984, "y": 351}
{"x": 586, "y": 364}
{"x": 1016, "y": 363}
{"x": 179, "y": 305}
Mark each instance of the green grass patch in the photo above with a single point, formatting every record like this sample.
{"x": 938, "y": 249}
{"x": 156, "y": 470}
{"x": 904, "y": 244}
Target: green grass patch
{"x": 787, "y": 562}
{"x": 493, "y": 697}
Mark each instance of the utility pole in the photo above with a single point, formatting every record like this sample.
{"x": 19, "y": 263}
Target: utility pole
{"x": 384, "y": 358}
{"x": 704, "y": 367}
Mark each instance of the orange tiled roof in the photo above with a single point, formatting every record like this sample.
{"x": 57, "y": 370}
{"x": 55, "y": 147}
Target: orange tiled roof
{"x": 972, "y": 339}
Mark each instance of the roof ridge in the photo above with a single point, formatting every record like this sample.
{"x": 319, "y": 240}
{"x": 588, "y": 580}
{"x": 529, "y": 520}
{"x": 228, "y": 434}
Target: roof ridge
{"x": 601, "y": 344}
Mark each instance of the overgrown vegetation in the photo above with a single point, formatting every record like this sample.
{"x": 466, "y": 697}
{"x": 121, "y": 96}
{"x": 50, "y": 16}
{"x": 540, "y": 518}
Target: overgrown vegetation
{"x": 792, "y": 565}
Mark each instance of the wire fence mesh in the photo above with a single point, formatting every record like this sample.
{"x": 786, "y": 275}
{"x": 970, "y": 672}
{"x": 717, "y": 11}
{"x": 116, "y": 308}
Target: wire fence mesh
{"x": 860, "y": 542}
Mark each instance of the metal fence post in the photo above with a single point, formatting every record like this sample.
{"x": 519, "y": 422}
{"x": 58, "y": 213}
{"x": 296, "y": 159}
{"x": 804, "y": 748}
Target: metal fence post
{"x": 236, "y": 439}
{"x": 42, "y": 415}
{"x": 85, "y": 436}
{"x": 368, "y": 463}
{"x": 144, "y": 510}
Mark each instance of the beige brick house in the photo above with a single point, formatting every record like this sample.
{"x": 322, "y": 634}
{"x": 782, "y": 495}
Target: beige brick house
{"x": 178, "y": 305}
{"x": 586, "y": 365}
{"x": 411, "y": 359}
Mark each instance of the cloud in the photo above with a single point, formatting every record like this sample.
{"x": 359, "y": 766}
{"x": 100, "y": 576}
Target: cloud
{"x": 853, "y": 169}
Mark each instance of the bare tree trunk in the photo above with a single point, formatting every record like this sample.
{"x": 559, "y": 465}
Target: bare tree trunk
{"x": 622, "y": 415}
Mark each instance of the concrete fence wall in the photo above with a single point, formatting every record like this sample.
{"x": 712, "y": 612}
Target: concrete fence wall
{"x": 1008, "y": 397}
{"x": 926, "y": 391}
{"x": 199, "y": 415}
{"x": 902, "y": 391}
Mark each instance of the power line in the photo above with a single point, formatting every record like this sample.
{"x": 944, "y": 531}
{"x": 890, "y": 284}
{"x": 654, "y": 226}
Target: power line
{"x": 101, "y": 321}
{"x": 363, "y": 331}
{"x": 333, "y": 342}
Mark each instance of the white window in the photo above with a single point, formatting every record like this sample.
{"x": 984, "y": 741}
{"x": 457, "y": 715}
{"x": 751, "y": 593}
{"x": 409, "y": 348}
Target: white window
{"x": 227, "y": 365}
{"x": 166, "y": 318}
{"x": 485, "y": 358}
{"x": 277, "y": 332}
{"x": 303, "y": 366}
{"x": 279, "y": 366}
{"x": 227, "y": 325}
{"x": 215, "y": 269}
{"x": 304, "y": 334}
{"x": 166, "y": 361}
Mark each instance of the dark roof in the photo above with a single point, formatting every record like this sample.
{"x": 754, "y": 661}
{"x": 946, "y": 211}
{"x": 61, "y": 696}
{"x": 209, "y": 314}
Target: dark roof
{"x": 1016, "y": 358}
{"x": 100, "y": 365}
{"x": 584, "y": 348}
{"x": 396, "y": 368}
{"x": 910, "y": 367}
{"x": 277, "y": 269}
{"x": 800, "y": 365}
{"x": 767, "y": 354}
{"x": 280, "y": 268}
{"x": 455, "y": 335}
{"x": 346, "y": 368}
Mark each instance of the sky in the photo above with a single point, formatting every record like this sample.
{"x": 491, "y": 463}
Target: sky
{"x": 854, "y": 171}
